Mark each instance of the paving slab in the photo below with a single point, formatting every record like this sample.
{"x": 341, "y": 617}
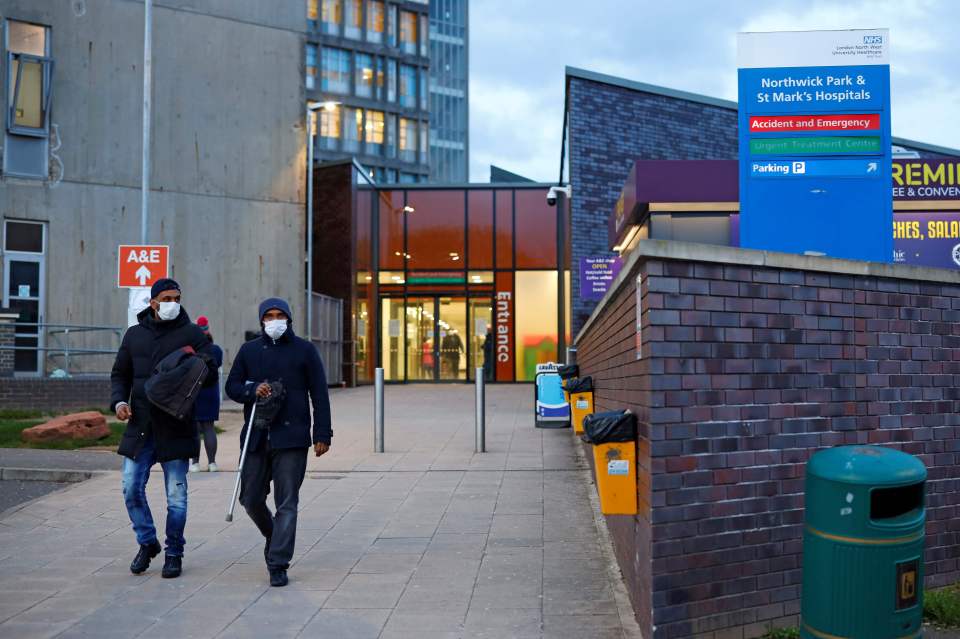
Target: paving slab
{"x": 429, "y": 540}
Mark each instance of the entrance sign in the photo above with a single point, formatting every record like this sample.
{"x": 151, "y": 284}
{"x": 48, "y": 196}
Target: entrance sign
{"x": 140, "y": 266}
{"x": 814, "y": 143}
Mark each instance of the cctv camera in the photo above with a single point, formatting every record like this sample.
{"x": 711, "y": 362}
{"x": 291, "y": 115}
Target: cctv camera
{"x": 552, "y": 193}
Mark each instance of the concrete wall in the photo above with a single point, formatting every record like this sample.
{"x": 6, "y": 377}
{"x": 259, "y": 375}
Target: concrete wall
{"x": 751, "y": 362}
{"x": 228, "y": 175}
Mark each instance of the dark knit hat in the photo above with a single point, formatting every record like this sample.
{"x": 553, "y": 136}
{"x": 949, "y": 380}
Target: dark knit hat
{"x": 165, "y": 284}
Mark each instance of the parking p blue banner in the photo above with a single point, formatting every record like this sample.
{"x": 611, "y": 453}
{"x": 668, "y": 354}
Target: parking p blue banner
{"x": 814, "y": 143}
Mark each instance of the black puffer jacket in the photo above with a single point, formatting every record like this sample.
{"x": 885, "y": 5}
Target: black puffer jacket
{"x": 144, "y": 345}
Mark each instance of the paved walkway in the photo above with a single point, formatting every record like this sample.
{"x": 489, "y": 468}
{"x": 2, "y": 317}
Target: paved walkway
{"x": 426, "y": 541}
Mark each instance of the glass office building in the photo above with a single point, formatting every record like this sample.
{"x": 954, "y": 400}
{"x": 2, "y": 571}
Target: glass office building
{"x": 449, "y": 91}
{"x": 366, "y": 62}
{"x": 443, "y": 280}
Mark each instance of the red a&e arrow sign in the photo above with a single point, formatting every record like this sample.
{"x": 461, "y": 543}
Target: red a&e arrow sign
{"x": 139, "y": 266}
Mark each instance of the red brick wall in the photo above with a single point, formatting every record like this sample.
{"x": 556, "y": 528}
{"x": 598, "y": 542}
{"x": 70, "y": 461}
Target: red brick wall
{"x": 746, "y": 372}
{"x": 46, "y": 394}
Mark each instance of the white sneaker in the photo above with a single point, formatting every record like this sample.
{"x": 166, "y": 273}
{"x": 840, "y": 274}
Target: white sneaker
{"x": 194, "y": 468}
{"x": 212, "y": 467}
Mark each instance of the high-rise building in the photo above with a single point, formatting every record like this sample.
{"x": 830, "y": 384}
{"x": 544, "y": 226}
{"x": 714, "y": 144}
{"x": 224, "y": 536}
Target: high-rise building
{"x": 449, "y": 91}
{"x": 366, "y": 62}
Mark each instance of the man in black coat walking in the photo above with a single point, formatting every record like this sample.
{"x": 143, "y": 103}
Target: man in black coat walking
{"x": 152, "y": 435}
{"x": 278, "y": 453}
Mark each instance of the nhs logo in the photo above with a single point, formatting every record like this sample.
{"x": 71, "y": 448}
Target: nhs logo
{"x": 873, "y": 39}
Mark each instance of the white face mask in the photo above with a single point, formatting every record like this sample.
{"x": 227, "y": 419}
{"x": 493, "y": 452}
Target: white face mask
{"x": 275, "y": 328}
{"x": 168, "y": 310}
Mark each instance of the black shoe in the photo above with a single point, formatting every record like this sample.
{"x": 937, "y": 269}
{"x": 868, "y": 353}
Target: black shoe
{"x": 172, "y": 567}
{"x": 142, "y": 561}
{"x": 278, "y": 577}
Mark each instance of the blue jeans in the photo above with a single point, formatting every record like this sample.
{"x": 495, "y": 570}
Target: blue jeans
{"x": 136, "y": 473}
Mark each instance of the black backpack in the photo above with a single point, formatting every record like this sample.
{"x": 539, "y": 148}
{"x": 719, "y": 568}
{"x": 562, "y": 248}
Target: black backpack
{"x": 175, "y": 383}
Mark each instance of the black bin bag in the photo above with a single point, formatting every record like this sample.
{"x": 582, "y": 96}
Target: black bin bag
{"x": 609, "y": 427}
{"x": 579, "y": 385}
{"x": 568, "y": 371}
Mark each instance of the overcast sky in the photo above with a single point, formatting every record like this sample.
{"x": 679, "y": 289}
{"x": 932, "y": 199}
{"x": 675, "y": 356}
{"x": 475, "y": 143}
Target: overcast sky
{"x": 519, "y": 48}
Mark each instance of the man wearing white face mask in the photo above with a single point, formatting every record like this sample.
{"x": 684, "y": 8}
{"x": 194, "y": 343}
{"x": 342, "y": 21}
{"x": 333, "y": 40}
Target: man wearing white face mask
{"x": 152, "y": 435}
{"x": 278, "y": 448}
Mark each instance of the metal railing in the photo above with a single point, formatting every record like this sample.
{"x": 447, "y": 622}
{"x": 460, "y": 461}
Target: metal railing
{"x": 59, "y": 351}
{"x": 327, "y": 334}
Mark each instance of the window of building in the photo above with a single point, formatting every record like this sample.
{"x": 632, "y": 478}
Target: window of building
{"x": 335, "y": 72}
{"x": 408, "y": 32}
{"x": 331, "y": 16}
{"x": 330, "y": 126}
{"x": 423, "y": 142}
{"x": 23, "y": 291}
{"x": 29, "y": 78}
{"x": 391, "y": 126}
{"x": 536, "y": 321}
{"x": 480, "y": 228}
{"x": 375, "y": 133}
{"x": 436, "y": 233}
{"x": 352, "y": 129}
{"x": 381, "y": 79}
{"x": 424, "y": 89}
{"x": 353, "y": 25}
{"x": 363, "y": 64}
{"x": 313, "y": 14}
{"x": 391, "y": 80}
{"x": 407, "y": 178}
{"x": 29, "y": 71}
{"x": 536, "y": 230}
{"x": 424, "y": 35}
{"x": 375, "y": 21}
{"x": 392, "y": 25}
{"x": 408, "y": 140}
{"x": 311, "y": 75}
{"x": 408, "y": 86}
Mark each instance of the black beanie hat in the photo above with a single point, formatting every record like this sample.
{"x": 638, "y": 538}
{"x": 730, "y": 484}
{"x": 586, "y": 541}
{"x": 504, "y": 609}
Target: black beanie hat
{"x": 165, "y": 284}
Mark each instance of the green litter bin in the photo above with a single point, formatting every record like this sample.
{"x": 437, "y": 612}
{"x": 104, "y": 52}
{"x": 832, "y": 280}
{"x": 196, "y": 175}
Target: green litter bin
{"x": 863, "y": 544}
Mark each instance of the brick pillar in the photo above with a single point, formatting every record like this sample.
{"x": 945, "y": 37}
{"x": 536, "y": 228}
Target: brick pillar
{"x": 7, "y": 318}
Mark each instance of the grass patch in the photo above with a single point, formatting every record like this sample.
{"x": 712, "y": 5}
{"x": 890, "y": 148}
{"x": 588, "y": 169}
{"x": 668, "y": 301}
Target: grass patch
{"x": 12, "y": 424}
{"x": 941, "y": 607}
{"x": 782, "y": 633}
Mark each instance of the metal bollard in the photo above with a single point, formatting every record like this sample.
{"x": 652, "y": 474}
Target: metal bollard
{"x": 378, "y": 411}
{"x": 481, "y": 427}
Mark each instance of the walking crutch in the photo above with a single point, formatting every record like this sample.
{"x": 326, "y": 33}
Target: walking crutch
{"x": 243, "y": 456}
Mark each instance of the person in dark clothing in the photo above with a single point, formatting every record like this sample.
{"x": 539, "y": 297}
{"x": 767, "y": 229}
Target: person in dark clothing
{"x": 488, "y": 346}
{"x": 279, "y": 453}
{"x": 152, "y": 435}
{"x": 207, "y": 408}
{"x": 450, "y": 348}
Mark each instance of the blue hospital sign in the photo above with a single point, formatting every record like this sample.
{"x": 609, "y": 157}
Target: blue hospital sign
{"x": 814, "y": 143}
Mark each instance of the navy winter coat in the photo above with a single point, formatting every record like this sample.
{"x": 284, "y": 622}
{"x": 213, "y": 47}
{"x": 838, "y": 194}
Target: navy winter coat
{"x": 295, "y": 363}
{"x": 207, "y": 408}
{"x": 143, "y": 346}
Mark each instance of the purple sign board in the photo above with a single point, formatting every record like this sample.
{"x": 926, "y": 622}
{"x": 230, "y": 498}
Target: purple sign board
{"x": 927, "y": 239}
{"x": 596, "y": 275}
{"x": 919, "y": 238}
